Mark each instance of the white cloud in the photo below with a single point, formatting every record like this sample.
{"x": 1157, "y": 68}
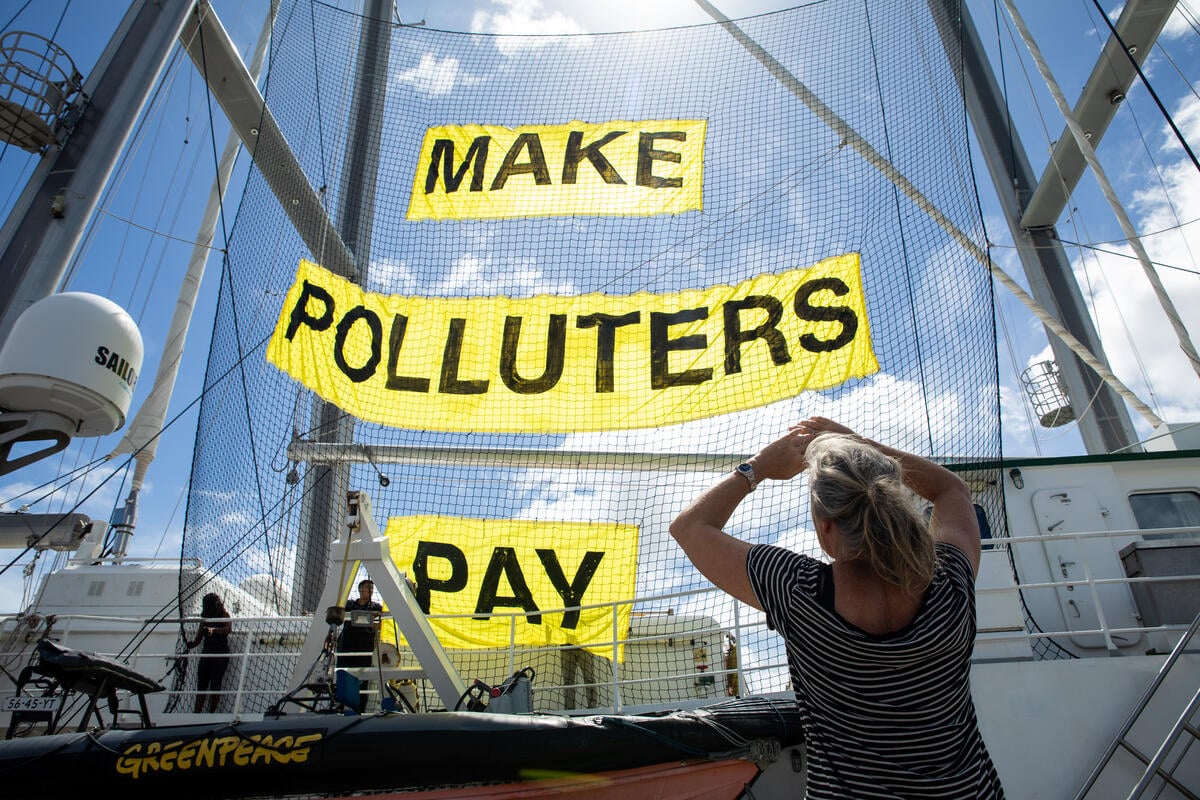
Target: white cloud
{"x": 476, "y": 275}
{"x": 1179, "y": 25}
{"x": 1143, "y": 347}
{"x": 434, "y": 76}
{"x": 392, "y": 276}
{"x": 530, "y": 22}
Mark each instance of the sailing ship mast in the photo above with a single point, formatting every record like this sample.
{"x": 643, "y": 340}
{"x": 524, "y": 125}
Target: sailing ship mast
{"x": 325, "y": 484}
{"x": 36, "y": 243}
{"x": 142, "y": 436}
{"x": 1095, "y": 393}
{"x": 1105, "y": 426}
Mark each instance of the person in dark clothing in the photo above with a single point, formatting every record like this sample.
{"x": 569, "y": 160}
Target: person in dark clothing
{"x": 358, "y": 634}
{"x": 879, "y": 636}
{"x": 214, "y": 655}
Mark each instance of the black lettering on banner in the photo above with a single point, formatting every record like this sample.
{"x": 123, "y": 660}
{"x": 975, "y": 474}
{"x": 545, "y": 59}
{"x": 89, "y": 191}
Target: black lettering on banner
{"x": 300, "y": 315}
{"x": 571, "y": 593}
{"x": 420, "y": 566}
{"x": 556, "y": 346}
{"x": 661, "y": 346}
{"x": 358, "y": 374}
{"x": 450, "y": 382}
{"x": 592, "y": 153}
{"x": 536, "y": 165}
{"x": 395, "y": 342}
{"x": 767, "y": 331}
{"x": 504, "y": 561}
{"x": 647, "y": 155}
{"x": 841, "y": 314}
{"x": 444, "y": 149}
{"x": 606, "y": 343}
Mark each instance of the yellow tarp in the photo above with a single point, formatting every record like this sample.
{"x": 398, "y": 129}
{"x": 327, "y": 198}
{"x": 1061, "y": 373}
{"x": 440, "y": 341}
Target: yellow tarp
{"x": 491, "y": 567}
{"x": 561, "y": 364}
{"x": 620, "y": 168}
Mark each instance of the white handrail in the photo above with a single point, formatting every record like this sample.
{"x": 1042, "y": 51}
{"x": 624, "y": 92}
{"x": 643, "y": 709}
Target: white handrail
{"x": 286, "y": 633}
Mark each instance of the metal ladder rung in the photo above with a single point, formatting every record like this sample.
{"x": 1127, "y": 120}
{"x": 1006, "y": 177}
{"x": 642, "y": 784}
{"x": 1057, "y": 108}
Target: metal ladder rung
{"x": 1153, "y": 764}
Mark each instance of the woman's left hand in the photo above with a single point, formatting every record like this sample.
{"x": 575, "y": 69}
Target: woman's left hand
{"x": 783, "y": 458}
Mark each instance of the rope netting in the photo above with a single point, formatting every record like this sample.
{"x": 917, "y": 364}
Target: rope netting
{"x": 786, "y": 183}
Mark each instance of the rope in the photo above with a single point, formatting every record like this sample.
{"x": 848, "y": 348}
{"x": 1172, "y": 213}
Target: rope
{"x": 1089, "y": 154}
{"x": 872, "y": 156}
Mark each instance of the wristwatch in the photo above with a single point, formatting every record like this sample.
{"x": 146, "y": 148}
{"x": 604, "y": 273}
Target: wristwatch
{"x": 747, "y": 472}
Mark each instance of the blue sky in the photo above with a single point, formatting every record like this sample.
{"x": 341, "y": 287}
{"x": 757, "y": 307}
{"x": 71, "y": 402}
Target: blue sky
{"x": 148, "y": 222}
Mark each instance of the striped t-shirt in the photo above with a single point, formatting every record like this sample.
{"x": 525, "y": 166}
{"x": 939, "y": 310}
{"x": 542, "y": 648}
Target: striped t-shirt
{"x": 888, "y": 716}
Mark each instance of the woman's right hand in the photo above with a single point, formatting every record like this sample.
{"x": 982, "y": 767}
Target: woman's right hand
{"x": 785, "y": 458}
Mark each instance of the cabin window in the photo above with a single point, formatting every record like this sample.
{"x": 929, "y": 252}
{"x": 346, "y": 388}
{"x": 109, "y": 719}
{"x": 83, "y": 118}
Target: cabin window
{"x": 135, "y": 588}
{"x": 95, "y": 588}
{"x": 1166, "y": 510}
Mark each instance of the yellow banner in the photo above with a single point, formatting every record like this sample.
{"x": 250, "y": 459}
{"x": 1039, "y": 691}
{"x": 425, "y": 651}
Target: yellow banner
{"x": 551, "y": 364}
{"x": 619, "y": 168}
{"x": 490, "y": 568}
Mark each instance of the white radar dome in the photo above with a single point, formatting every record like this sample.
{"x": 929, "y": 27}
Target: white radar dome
{"x": 74, "y": 354}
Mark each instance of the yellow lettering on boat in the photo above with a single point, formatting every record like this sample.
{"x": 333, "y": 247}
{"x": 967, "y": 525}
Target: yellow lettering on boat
{"x": 491, "y": 568}
{"x": 620, "y": 168}
{"x": 184, "y": 755}
{"x": 564, "y": 364}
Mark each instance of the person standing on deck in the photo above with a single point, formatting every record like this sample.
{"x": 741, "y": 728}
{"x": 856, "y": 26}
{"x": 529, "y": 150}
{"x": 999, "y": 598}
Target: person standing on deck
{"x": 214, "y": 655}
{"x": 879, "y": 641}
{"x": 359, "y": 630}
{"x": 358, "y": 634}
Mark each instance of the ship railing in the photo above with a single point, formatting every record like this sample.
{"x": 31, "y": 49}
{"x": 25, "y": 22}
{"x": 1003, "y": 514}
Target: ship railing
{"x": 1158, "y": 603}
{"x": 186, "y": 562}
{"x": 675, "y": 678}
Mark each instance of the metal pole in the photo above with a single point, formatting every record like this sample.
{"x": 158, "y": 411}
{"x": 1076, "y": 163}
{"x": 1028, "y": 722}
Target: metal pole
{"x": 1104, "y": 421}
{"x": 326, "y": 485}
{"x": 36, "y": 246}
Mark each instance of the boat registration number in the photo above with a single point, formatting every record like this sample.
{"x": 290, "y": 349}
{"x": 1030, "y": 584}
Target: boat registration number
{"x": 30, "y": 703}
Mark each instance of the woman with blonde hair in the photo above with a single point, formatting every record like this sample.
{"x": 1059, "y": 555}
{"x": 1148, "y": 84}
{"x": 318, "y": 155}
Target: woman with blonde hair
{"x": 879, "y": 637}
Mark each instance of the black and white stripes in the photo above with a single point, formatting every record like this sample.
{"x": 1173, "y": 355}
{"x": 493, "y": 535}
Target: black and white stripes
{"x": 886, "y": 716}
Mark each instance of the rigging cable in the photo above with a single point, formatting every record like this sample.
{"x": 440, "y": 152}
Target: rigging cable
{"x": 227, "y": 272}
{"x": 1158, "y": 172}
{"x": 55, "y": 479}
{"x": 853, "y": 139}
{"x": 1089, "y": 154}
{"x": 122, "y": 172}
{"x": 1058, "y": 175}
{"x": 1141, "y": 365}
{"x": 1146, "y": 82}
{"x": 908, "y": 270}
{"x": 1096, "y": 246}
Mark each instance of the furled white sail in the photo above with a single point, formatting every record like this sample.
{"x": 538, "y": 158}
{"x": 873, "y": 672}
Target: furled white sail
{"x": 141, "y": 437}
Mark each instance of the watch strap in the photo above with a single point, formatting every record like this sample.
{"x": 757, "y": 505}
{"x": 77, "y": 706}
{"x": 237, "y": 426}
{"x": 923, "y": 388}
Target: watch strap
{"x": 746, "y": 471}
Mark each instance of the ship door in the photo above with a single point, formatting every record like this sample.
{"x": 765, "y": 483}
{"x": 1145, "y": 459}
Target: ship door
{"x": 1076, "y": 510}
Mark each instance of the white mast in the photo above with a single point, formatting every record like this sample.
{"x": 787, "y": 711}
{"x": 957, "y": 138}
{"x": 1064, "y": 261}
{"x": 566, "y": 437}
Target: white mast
{"x": 141, "y": 437}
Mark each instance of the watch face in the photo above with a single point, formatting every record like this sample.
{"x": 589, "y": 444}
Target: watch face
{"x": 745, "y": 468}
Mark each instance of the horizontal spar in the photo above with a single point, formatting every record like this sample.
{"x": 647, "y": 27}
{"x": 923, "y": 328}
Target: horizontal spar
{"x": 345, "y": 453}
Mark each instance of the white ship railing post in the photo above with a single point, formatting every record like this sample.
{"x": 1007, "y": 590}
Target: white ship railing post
{"x": 239, "y": 694}
{"x": 616, "y": 662}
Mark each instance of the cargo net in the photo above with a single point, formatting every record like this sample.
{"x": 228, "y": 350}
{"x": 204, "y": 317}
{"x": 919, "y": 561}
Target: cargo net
{"x": 834, "y": 128}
